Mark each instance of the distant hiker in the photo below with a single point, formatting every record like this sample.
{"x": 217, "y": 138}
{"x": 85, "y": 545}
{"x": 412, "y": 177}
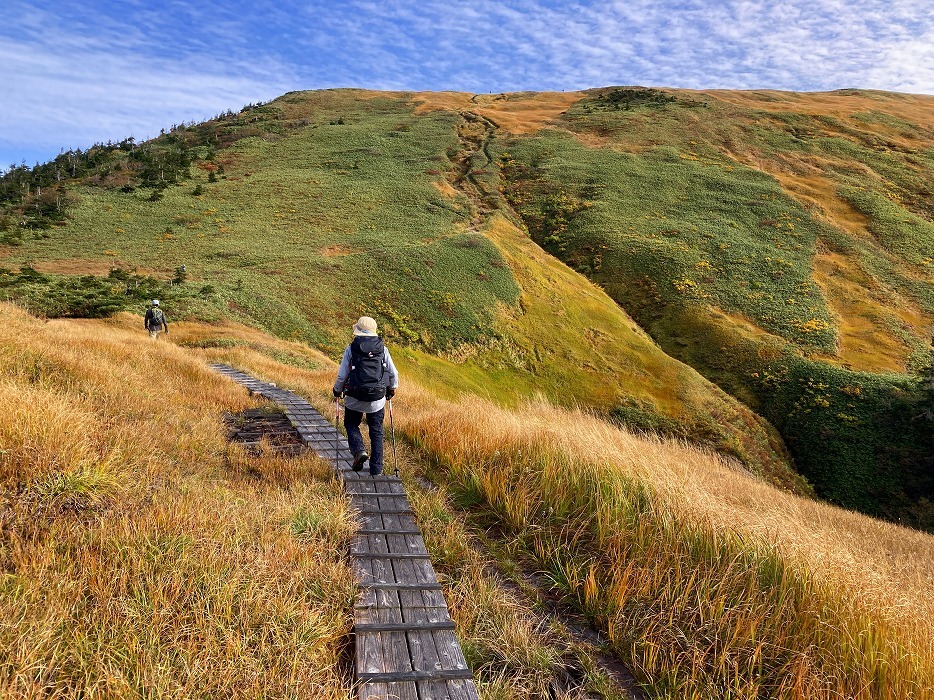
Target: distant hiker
{"x": 155, "y": 321}
{"x": 366, "y": 379}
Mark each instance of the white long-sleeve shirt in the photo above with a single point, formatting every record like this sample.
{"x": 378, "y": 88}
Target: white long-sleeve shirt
{"x": 356, "y": 404}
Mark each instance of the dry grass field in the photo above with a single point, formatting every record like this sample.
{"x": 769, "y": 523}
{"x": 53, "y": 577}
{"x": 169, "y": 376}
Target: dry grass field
{"x": 710, "y": 583}
{"x": 141, "y": 555}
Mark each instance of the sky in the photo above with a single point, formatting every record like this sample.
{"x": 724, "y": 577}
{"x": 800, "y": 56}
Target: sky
{"x": 77, "y": 72}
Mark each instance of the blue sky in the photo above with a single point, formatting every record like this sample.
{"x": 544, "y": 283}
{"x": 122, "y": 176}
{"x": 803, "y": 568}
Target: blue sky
{"x": 73, "y": 73}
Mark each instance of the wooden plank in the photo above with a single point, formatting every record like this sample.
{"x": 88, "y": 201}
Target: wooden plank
{"x": 393, "y": 556}
{"x": 392, "y": 485}
{"x": 395, "y": 651}
{"x": 350, "y": 476}
{"x": 385, "y": 511}
{"x": 441, "y": 690}
{"x": 404, "y": 570}
{"x": 388, "y": 691}
{"x": 449, "y": 651}
{"x": 414, "y": 676}
{"x": 423, "y": 652}
{"x": 381, "y": 496}
{"x": 369, "y": 655}
{"x": 379, "y": 657}
{"x": 374, "y": 691}
{"x": 369, "y": 544}
{"x": 403, "y": 626}
{"x": 423, "y": 598}
{"x": 378, "y": 598}
{"x": 447, "y": 690}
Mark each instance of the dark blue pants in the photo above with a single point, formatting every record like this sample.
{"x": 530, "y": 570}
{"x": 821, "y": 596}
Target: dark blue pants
{"x": 374, "y": 422}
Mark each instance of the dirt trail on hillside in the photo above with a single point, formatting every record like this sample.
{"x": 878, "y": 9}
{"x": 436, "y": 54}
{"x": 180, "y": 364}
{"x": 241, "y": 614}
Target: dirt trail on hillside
{"x": 514, "y": 113}
{"x": 471, "y": 163}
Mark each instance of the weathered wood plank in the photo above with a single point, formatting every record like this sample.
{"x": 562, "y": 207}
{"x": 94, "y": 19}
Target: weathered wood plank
{"x": 400, "y": 626}
{"x": 451, "y": 690}
{"x": 394, "y": 556}
{"x": 422, "y": 598}
{"x": 386, "y": 511}
{"x": 449, "y": 651}
{"x": 423, "y": 652}
{"x": 374, "y": 691}
{"x": 414, "y": 676}
{"x": 369, "y": 656}
{"x": 388, "y": 691}
{"x": 395, "y": 651}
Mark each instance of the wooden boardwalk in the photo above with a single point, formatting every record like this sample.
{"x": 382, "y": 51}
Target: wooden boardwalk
{"x": 406, "y": 648}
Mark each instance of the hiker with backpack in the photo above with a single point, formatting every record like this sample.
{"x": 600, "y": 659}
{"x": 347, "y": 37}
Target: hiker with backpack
{"x": 155, "y": 320}
{"x": 367, "y": 378}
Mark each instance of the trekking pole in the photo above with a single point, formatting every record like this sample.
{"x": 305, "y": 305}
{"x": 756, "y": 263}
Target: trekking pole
{"x": 337, "y": 429}
{"x": 392, "y": 431}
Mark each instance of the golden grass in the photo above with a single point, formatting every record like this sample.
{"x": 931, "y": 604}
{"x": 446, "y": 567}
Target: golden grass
{"x": 863, "y": 312}
{"x": 79, "y": 266}
{"x": 142, "y": 555}
{"x": 864, "y": 320}
{"x": 710, "y": 583}
{"x": 913, "y": 108}
{"x": 862, "y": 309}
{"x": 515, "y": 113}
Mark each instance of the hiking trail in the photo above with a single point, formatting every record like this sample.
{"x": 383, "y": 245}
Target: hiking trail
{"x": 404, "y": 635}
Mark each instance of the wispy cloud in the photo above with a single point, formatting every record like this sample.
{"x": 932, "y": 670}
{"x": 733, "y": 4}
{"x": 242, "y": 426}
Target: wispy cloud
{"x": 97, "y": 80}
{"x": 109, "y": 69}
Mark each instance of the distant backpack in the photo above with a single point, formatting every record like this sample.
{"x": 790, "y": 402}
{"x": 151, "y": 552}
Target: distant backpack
{"x": 157, "y": 318}
{"x": 367, "y": 369}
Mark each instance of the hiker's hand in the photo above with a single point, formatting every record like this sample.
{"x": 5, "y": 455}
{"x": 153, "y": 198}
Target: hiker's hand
{"x": 337, "y": 394}
{"x": 390, "y": 393}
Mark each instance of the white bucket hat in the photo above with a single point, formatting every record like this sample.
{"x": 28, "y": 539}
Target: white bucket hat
{"x": 365, "y": 326}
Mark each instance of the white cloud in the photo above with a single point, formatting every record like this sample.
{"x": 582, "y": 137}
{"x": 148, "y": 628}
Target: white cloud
{"x": 795, "y": 44}
{"x": 67, "y": 89}
{"x": 73, "y": 79}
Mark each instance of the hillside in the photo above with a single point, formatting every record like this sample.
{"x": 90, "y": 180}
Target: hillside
{"x": 762, "y": 261}
{"x": 144, "y": 554}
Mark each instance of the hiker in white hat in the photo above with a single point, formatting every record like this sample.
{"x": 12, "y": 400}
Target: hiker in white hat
{"x": 367, "y": 378}
{"x": 155, "y": 320}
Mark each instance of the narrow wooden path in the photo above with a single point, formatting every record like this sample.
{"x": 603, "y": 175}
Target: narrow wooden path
{"x": 406, "y": 648}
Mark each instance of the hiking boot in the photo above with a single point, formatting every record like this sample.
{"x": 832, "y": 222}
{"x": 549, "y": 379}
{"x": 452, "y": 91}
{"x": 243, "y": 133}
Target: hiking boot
{"x": 359, "y": 460}
{"x": 375, "y": 472}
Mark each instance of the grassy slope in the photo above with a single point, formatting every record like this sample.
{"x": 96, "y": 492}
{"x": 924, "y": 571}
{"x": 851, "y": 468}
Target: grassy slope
{"x": 140, "y": 553}
{"x": 708, "y": 583}
{"x": 143, "y": 555}
{"x": 771, "y": 286}
{"x": 300, "y": 222}
{"x": 342, "y": 208}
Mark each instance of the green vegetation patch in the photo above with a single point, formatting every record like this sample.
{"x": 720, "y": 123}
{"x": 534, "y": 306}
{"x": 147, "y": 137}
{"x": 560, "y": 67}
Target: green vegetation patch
{"x": 863, "y": 439}
{"x": 306, "y": 225}
{"x": 698, "y": 232}
{"x": 84, "y": 296}
{"x": 899, "y": 231}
